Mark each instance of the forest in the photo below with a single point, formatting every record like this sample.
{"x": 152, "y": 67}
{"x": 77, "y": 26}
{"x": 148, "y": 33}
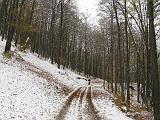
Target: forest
{"x": 123, "y": 49}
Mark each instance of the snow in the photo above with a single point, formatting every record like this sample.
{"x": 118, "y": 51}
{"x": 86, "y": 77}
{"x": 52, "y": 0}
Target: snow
{"x": 105, "y": 106}
{"x": 65, "y": 76}
{"x": 72, "y": 113}
{"x": 23, "y": 95}
{"x": 108, "y": 110}
{"x": 26, "y": 96}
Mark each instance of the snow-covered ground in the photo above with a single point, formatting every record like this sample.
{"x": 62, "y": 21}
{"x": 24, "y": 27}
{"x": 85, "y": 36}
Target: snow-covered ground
{"x": 65, "y": 76}
{"x": 26, "y": 96}
{"x": 104, "y": 103}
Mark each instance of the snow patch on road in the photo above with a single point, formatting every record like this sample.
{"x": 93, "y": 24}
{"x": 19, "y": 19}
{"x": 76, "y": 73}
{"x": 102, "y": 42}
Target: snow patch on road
{"x": 108, "y": 111}
{"x": 72, "y": 113}
{"x": 104, "y": 105}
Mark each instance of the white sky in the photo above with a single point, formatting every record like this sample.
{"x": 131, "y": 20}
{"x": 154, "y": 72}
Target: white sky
{"x": 89, "y": 8}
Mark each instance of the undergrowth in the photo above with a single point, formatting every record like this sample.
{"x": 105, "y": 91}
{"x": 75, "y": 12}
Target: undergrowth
{"x": 8, "y": 55}
{"x": 134, "y": 110}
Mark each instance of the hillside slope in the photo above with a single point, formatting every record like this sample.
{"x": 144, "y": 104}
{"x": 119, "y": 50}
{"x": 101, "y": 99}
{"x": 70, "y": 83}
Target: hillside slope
{"x": 33, "y": 89}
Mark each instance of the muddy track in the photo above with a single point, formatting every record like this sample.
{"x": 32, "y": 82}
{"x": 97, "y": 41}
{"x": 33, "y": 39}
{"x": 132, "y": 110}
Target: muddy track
{"x": 83, "y": 97}
{"x": 65, "y": 107}
{"x": 91, "y": 109}
{"x": 80, "y": 104}
{"x": 43, "y": 74}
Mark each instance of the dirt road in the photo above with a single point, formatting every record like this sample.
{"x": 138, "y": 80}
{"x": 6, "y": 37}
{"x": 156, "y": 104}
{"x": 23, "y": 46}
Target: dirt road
{"x": 82, "y": 98}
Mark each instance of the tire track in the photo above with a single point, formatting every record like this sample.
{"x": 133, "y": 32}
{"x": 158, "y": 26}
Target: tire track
{"x": 43, "y": 74}
{"x": 80, "y": 104}
{"x": 80, "y": 93}
{"x": 90, "y": 108}
{"x": 67, "y": 104}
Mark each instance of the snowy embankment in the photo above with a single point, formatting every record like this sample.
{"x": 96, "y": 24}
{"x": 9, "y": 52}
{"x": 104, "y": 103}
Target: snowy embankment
{"x": 65, "y": 76}
{"x": 24, "y": 95}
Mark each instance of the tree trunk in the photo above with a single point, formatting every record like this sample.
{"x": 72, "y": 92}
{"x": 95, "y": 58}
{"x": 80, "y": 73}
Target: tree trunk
{"x": 154, "y": 62}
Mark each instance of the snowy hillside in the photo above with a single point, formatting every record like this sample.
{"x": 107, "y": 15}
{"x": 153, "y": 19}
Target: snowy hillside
{"x": 24, "y": 95}
{"x": 65, "y": 76}
{"x": 32, "y": 89}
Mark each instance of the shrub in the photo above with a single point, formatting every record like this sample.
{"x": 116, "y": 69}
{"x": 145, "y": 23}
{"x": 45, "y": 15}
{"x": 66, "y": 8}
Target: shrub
{"x": 8, "y": 54}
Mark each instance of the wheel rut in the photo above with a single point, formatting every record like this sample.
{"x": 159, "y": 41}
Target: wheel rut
{"x": 90, "y": 108}
{"x": 43, "y": 74}
{"x": 80, "y": 103}
{"x": 82, "y": 95}
{"x": 83, "y": 105}
{"x": 65, "y": 107}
